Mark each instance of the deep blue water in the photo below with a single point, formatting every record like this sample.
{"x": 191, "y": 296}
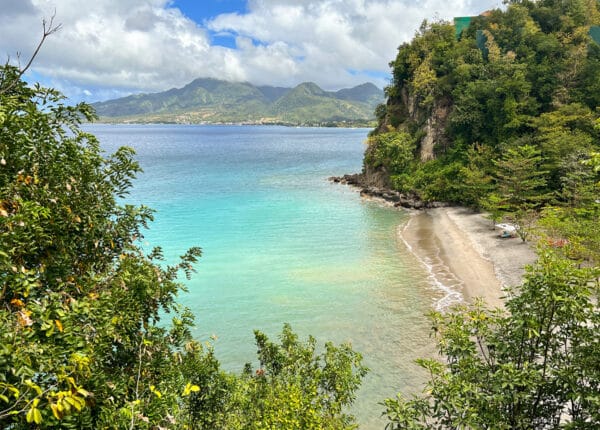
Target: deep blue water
{"x": 283, "y": 244}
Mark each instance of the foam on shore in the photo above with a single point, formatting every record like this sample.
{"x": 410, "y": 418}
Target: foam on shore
{"x": 440, "y": 276}
{"x": 464, "y": 256}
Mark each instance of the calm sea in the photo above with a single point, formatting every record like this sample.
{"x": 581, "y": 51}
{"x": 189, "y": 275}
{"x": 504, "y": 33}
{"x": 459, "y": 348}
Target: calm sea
{"x": 282, "y": 244}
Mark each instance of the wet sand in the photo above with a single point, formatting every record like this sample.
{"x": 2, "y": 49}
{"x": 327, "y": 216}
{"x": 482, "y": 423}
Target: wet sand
{"x": 465, "y": 255}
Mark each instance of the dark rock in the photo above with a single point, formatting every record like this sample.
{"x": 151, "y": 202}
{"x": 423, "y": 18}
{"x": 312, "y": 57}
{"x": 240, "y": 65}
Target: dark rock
{"x": 375, "y": 189}
{"x": 391, "y": 197}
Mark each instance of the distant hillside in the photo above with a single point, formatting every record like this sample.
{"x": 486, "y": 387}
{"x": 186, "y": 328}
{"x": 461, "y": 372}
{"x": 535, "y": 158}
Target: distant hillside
{"x": 367, "y": 93}
{"x": 215, "y": 101}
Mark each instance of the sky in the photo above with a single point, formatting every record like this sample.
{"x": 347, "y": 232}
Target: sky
{"x": 112, "y": 48}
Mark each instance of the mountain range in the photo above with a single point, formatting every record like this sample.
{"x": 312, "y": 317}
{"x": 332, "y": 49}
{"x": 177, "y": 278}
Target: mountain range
{"x": 213, "y": 101}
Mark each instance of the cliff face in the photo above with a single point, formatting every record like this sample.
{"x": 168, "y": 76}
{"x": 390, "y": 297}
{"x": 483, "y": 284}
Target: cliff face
{"x": 431, "y": 122}
{"x": 419, "y": 105}
{"x": 435, "y": 137}
{"x": 377, "y": 177}
{"x": 428, "y": 124}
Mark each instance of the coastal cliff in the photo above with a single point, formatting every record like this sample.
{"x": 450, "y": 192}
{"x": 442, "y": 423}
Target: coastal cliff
{"x": 465, "y": 101}
{"x": 429, "y": 125}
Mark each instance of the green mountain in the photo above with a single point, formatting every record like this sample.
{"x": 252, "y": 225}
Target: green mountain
{"x": 367, "y": 93}
{"x": 308, "y": 102}
{"x": 216, "y": 101}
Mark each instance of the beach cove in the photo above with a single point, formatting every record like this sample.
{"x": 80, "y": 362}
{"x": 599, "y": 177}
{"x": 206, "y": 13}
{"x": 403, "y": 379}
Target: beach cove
{"x": 283, "y": 244}
{"x": 464, "y": 252}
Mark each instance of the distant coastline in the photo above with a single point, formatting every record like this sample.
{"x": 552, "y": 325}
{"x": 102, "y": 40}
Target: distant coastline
{"x": 328, "y": 124}
{"x": 213, "y": 101}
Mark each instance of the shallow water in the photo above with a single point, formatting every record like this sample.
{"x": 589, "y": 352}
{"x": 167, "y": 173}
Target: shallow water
{"x": 282, "y": 244}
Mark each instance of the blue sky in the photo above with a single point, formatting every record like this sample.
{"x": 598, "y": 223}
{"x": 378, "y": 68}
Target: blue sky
{"x": 119, "y": 47}
{"x": 203, "y": 11}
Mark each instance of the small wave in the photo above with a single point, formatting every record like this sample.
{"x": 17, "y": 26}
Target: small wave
{"x": 440, "y": 277}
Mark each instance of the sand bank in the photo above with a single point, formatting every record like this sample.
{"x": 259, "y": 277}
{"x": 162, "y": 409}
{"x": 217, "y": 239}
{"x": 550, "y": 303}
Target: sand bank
{"x": 466, "y": 257}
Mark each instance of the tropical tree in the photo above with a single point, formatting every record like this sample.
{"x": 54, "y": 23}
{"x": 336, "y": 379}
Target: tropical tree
{"x": 297, "y": 387}
{"x": 573, "y": 225}
{"x": 81, "y": 303}
{"x": 521, "y": 183}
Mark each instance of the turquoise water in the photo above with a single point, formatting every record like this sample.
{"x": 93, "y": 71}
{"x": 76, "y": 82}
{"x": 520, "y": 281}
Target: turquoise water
{"x": 282, "y": 244}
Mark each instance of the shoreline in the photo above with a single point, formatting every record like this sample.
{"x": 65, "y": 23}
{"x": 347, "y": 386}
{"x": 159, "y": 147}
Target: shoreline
{"x": 465, "y": 255}
{"x": 395, "y": 198}
{"x": 347, "y": 125}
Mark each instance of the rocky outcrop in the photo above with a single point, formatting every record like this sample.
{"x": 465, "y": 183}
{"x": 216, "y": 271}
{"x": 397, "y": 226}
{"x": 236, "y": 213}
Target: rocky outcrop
{"x": 374, "y": 175}
{"x": 426, "y": 122}
{"x": 398, "y": 199}
{"x": 411, "y": 106}
{"x": 432, "y": 121}
{"x": 435, "y": 130}
{"x": 405, "y": 112}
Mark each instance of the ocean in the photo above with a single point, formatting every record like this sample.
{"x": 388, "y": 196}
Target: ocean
{"x": 282, "y": 244}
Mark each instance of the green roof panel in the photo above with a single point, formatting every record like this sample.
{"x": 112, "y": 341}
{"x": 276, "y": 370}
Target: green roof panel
{"x": 595, "y": 33}
{"x": 461, "y": 23}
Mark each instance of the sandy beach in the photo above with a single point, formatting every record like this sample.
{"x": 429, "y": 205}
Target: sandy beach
{"x": 466, "y": 257}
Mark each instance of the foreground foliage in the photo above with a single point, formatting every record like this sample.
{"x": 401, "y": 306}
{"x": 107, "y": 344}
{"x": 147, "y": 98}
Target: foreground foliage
{"x": 535, "y": 365}
{"x": 82, "y": 341}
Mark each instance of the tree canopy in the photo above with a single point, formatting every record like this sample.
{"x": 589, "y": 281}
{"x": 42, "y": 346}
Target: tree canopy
{"x": 524, "y": 76}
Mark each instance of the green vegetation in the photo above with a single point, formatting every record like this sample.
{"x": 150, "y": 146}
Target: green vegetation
{"x": 501, "y": 116}
{"x": 534, "y": 366}
{"x": 504, "y": 116}
{"x": 213, "y": 101}
{"x": 509, "y": 125}
{"x": 83, "y": 343}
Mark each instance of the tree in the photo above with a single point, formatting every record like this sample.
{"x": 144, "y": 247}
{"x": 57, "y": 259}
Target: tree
{"x": 492, "y": 204}
{"x": 568, "y": 132}
{"x": 477, "y": 180}
{"x": 520, "y": 183}
{"x": 534, "y": 366}
{"x": 392, "y": 151}
{"x": 295, "y": 387}
{"x": 81, "y": 303}
{"x": 573, "y": 226}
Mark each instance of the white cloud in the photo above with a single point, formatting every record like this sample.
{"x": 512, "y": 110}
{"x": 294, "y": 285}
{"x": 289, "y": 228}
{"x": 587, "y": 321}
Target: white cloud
{"x": 146, "y": 45}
